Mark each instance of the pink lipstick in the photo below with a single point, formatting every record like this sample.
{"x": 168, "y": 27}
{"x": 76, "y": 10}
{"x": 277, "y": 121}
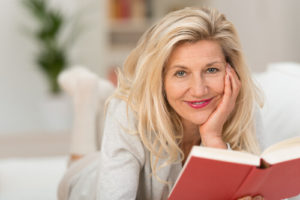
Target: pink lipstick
{"x": 199, "y": 104}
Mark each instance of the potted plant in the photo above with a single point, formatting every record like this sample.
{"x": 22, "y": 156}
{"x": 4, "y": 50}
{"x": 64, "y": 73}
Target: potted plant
{"x": 52, "y": 56}
{"x": 54, "y": 36}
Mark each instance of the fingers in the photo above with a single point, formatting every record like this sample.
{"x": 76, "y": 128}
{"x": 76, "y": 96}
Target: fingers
{"x": 246, "y": 198}
{"x": 232, "y": 87}
{"x": 235, "y": 83}
{"x": 231, "y": 90}
{"x": 228, "y": 87}
{"x": 258, "y": 197}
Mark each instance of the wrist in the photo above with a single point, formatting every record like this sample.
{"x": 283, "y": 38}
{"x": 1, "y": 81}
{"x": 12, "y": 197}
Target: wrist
{"x": 214, "y": 143}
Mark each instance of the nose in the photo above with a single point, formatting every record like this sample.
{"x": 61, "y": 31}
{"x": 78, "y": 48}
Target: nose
{"x": 198, "y": 86}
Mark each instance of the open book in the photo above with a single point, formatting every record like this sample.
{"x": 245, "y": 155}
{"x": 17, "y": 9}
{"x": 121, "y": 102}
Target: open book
{"x": 211, "y": 173}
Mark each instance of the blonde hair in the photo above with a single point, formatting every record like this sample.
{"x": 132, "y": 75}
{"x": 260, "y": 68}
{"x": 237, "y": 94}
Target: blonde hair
{"x": 141, "y": 83}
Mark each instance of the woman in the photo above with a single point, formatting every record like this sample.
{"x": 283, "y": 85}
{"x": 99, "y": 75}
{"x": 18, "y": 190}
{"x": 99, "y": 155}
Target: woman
{"x": 184, "y": 84}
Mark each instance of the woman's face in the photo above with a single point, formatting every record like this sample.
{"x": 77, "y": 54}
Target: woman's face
{"x": 194, "y": 80}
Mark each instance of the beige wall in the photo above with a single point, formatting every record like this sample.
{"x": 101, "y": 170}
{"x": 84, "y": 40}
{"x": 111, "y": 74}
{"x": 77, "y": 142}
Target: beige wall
{"x": 269, "y": 32}
{"x": 22, "y": 85}
{"x": 269, "y": 29}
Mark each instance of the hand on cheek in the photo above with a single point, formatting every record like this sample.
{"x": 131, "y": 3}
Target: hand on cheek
{"x": 211, "y": 130}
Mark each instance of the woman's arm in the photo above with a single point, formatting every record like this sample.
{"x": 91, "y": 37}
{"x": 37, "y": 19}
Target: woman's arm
{"x": 122, "y": 156}
{"x": 211, "y": 130}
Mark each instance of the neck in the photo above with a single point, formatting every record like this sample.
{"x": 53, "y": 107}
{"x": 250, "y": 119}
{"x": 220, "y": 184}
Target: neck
{"x": 191, "y": 135}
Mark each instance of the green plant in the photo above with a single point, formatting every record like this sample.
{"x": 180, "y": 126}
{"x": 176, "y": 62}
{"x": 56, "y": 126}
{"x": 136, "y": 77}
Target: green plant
{"x": 52, "y": 55}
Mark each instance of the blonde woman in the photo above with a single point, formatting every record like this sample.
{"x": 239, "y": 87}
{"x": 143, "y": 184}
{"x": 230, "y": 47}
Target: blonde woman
{"x": 185, "y": 84}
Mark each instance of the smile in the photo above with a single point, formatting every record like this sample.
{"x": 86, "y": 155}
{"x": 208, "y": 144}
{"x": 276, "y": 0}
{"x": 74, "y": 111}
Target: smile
{"x": 199, "y": 104}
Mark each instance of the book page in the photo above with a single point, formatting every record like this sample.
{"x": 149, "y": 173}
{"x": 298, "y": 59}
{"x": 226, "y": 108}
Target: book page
{"x": 286, "y": 150}
{"x": 282, "y": 154}
{"x": 282, "y": 144}
{"x": 225, "y": 155}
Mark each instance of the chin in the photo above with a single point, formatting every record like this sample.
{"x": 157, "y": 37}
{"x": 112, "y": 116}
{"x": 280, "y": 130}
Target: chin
{"x": 198, "y": 120}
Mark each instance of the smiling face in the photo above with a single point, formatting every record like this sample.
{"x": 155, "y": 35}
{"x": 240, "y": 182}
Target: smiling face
{"x": 194, "y": 80}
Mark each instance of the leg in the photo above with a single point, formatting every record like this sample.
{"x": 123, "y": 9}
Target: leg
{"x": 89, "y": 94}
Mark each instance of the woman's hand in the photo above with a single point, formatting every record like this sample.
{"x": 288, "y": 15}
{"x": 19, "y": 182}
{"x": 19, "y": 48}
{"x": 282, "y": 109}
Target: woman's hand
{"x": 258, "y": 197}
{"x": 211, "y": 130}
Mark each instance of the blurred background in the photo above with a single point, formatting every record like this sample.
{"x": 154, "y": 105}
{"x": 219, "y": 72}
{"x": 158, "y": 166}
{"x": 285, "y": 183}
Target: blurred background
{"x": 36, "y": 120}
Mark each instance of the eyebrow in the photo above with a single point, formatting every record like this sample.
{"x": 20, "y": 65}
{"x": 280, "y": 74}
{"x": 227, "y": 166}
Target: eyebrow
{"x": 207, "y": 65}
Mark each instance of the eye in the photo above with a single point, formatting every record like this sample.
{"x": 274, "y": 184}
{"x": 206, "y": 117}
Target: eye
{"x": 180, "y": 73}
{"x": 212, "y": 70}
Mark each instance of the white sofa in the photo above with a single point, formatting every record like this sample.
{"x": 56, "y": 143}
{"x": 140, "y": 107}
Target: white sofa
{"x": 31, "y": 178}
{"x": 281, "y": 112}
{"x": 37, "y": 177}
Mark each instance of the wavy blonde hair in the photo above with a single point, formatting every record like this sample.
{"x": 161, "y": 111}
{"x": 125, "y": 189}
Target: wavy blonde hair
{"x": 141, "y": 83}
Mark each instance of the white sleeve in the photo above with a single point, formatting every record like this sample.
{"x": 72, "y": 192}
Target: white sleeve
{"x": 122, "y": 156}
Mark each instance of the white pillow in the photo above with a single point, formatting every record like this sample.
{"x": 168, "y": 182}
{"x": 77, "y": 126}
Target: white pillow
{"x": 281, "y": 113}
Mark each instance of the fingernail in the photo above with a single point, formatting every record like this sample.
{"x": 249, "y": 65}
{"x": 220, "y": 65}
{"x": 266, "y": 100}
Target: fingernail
{"x": 258, "y": 198}
{"x": 228, "y": 68}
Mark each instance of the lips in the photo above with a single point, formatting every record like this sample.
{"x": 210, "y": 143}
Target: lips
{"x": 199, "y": 104}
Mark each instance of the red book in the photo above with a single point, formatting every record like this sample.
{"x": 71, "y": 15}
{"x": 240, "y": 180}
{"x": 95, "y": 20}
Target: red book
{"x": 211, "y": 173}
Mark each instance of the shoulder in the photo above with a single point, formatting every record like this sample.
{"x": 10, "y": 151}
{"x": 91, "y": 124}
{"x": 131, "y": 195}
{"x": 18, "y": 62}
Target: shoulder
{"x": 120, "y": 115}
{"x": 120, "y": 132}
{"x": 119, "y": 111}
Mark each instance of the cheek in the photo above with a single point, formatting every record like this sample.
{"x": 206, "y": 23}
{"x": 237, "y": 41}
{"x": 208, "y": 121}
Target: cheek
{"x": 218, "y": 84}
{"x": 221, "y": 85}
{"x": 173, "y": 89}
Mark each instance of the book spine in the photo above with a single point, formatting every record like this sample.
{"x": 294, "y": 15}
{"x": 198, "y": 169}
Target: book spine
{"x": 130, "y": 9}
{"x": 112, "y": 9}
{"x": 149, "y": 9}
{"x": 125, "y": 12}
{"x": 138, "y": 9}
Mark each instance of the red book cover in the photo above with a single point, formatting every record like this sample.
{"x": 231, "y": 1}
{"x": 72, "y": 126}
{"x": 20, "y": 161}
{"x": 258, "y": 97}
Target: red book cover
{"x": 223, "y": 174}
{"x": 278, "y": 181}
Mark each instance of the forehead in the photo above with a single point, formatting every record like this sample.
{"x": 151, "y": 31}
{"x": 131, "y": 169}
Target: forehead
{"x": 200, "y": 52}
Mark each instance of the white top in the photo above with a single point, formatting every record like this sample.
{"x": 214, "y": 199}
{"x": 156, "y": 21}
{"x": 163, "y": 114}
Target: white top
{"x": 122, "y": 169}
{"x": 125, "y": 170}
